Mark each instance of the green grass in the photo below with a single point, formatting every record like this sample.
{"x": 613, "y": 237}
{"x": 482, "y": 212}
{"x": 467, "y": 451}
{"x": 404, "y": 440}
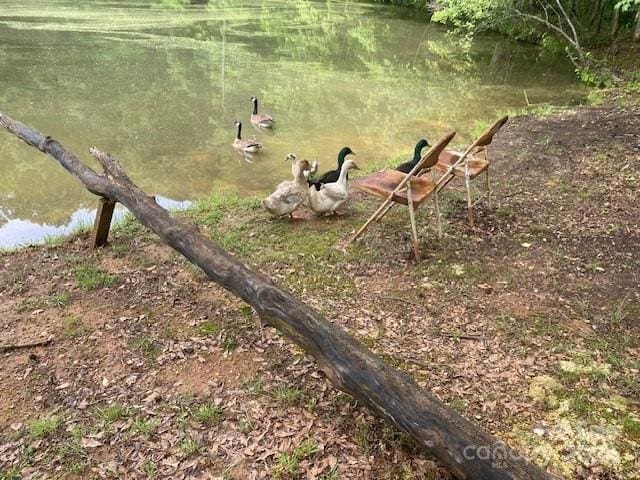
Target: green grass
{"x": 150, "y": 469}
{"x": 111, "y": 413}
{"x": 144, "y": 427}
{"x": 147, "y": 347}
{"x": 286, "y": 395}
{"x": 289, "y": 462}
{"x": 209, "y": 329}
{"x": 255, "y": 386}
{"x": 631, "y": 427}
{"x": 189, "y": 446}
{"x": 73, "y": 327}
{"x": 72, "y": 452}
{"x": 229, "y": 343}
{"x": 43, "y": 426}
{"x": 90, "y": 277}
{"x": 208, "y": 414}
{"x": 58, "y": 300}
{"x": 52, "y": 241}
{"x": 11, "y": 474}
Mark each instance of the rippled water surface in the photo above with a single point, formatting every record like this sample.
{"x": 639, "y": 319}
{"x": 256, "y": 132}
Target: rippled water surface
{"x": 159, "y": 84}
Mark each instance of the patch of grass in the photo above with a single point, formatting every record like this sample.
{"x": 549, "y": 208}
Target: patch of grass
{"x": 144, "y": 427}
{"x": 111, "y": 413}
{"x": 29, "y": 305}
{"x": 332, "y": 475}
{"x": 289, "y": 462}
{"x": 52, "y": 241}
{"x": 11, "y": 474}
{"x": 73, "y": 327}
{"x": 208, "y": 414}
{"x": 147, "y": 347}
{"x": 255, "y": 386}
{"x": 189, "y": 447}
{"x": 229, "y": 343}
{"x": 121, "y": 249}
{"x": 73, "y": 453}
{"x": 286, "y": 395}
{"x": 209, "y": 329}
{"x": 90, "y": 277}
{"x": 458, "y": 405}
{"x": 58, "y": 300}
{"x": 631, "y": 427}
{"x": 149, "y": 468}
{"x": 127, "y": 226}
{"x": 82, "y": 227}
{"x": 43, "y": 426}
{"x": 16, "y": 279}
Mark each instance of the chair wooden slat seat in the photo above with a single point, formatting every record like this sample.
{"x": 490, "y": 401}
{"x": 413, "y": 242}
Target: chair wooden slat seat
{"x": 382, "y": 184}
{"x": 477, "y": 164}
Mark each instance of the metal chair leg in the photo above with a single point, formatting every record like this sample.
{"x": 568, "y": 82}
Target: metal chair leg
{"x": 412, "y": 218}
{"x": 467, "y": 182}
{"x": 438, "y": 214}
{"x": 488, "y": 191}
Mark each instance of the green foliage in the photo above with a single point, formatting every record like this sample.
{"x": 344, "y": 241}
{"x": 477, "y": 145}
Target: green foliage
{"x": 111, "y": 413}
{"x": 43, "y": 427}
{"x": 208, "y": 414}
{"x": 288, "y": 462}
{"x": 90, "y": 277}
{"x": 627, "y": 5}
{"x": 570, "y": 27}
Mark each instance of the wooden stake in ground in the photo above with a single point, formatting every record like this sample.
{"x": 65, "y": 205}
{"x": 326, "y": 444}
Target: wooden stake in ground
{"x": 467, "y": 450}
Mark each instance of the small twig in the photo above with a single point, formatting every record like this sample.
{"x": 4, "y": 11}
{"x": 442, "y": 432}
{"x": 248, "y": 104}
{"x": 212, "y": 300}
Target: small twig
{"x": 19, "y": 346}
{"x": 461, "y": 337}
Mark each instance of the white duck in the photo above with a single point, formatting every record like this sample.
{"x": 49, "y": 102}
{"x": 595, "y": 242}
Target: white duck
{"x": 289, "y": 195}
{"x": 331, "y": 196}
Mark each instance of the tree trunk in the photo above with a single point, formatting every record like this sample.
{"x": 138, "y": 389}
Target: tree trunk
{"x": 615, "y": 29}
{"x": 636, "y": 32}
{"x": 467, "y": 450}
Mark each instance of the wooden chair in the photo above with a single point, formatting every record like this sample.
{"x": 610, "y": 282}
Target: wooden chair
{"x": 475, "y": 163}
{"x": 409, "y": 189}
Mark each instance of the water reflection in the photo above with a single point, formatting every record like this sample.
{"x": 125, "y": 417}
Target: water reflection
{"x": 160, "y": 83}
{"x": 16, "y": 232}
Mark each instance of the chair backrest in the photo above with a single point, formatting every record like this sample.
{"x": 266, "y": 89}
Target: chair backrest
{"x": 487, "y": 136}
{"x": 430, "y": 158}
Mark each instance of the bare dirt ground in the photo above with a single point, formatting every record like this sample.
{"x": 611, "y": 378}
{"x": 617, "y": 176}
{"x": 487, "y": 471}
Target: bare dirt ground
{"x": 527, "y": 324}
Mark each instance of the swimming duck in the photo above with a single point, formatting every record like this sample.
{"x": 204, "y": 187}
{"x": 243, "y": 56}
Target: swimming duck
{"x": 331, "y": 196}
{"x": 332, "y": 175}
{"x": 406, "y": 167}
{"x": 290, "y": 194}
{"x": 260, "y": 119}
{"x": 249, "y": 146}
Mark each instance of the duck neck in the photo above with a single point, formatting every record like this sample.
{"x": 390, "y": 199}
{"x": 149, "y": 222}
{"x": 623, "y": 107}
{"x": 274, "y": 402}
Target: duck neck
{"x": 298, "y": 175}
{"x": 341, "y": 157}
{"x": 343, "y": 173}
{"x": 238, "y": 132}
{"x": 416, "y": 154}
{"x": 255, "y": 106}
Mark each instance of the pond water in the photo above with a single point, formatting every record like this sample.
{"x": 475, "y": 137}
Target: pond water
{"x": 160, "y": 83}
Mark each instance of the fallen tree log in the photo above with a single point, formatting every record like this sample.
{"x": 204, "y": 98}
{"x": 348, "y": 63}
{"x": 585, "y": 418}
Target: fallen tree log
{"x": 467, "y": 450}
